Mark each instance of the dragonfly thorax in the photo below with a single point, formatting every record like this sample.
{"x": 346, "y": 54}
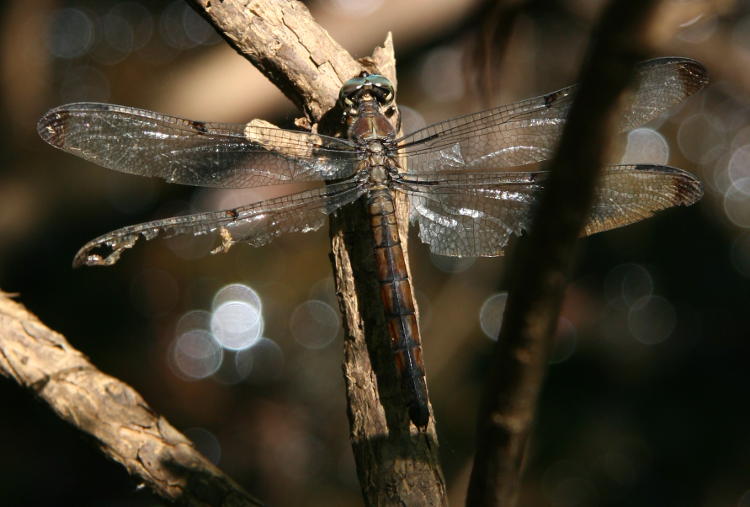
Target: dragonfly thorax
{"x": 367, "y": 102}
{"x": 378, "y": 174}
{"x": 369, "y": 122}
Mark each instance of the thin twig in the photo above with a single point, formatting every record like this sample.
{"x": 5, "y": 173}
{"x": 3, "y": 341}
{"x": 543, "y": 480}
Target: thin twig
{"x": 543, "y": 261}
{"x": 121, "y": 423}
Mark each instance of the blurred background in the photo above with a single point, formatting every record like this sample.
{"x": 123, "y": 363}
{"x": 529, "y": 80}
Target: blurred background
{"x": 646, "y": 400}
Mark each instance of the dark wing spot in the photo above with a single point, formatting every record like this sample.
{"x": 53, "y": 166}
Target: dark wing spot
{"x": 537, "y": 176}
{"x": 688, "y": 190}
{"x": 199, "y": 126}
{"x": 551, "y": 98}
{"x": 51, "y": 127}
{"x": 693, "y": 76}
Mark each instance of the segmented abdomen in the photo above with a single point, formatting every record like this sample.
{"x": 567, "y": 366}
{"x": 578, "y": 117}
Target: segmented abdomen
{"x": 398, "y": 300}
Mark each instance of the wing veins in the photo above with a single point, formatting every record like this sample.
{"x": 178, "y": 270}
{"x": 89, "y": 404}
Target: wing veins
{"x": 298, "y": 212}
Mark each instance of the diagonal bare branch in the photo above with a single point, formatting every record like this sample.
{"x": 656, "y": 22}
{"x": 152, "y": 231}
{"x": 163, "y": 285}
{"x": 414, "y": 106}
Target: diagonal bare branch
{"x": 121, "y": 423}
{"x": 283, "y": 41}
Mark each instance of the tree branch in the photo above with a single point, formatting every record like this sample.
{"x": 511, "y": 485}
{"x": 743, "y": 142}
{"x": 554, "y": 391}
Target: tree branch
{"x": 542, "y": 262}
{"x": 285, "y": 43}
{"x": 394, "y": 464}
{"x": 121, "y": 423}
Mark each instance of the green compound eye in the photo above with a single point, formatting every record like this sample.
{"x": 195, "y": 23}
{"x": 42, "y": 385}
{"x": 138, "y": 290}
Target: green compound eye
{"x": 376, "y": 84}
{"x": 382, "y": 87}
{"x": 350, "y": 88}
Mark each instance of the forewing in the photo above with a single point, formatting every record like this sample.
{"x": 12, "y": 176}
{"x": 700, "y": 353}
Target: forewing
{"x": 474, "y": 215}
{"x": 190, "y": 152}
{"x": 528, "y": 131}
{"x": 255, "y": 224}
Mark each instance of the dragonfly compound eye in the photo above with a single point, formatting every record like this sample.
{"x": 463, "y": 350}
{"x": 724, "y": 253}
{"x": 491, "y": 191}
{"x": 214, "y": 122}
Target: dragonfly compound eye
{"x": 382, "y": 88}
{"x": 378, "y": 86}
{"x": 350, "y": 89}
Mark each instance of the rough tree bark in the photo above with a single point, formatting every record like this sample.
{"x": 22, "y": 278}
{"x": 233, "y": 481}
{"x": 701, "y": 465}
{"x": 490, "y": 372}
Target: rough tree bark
{"x": 120, "y": 422}
{"x": 541, "y": 263}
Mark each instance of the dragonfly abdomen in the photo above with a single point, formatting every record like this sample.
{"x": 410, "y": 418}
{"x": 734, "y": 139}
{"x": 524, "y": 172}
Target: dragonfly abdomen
{"x": 398, "y": 301}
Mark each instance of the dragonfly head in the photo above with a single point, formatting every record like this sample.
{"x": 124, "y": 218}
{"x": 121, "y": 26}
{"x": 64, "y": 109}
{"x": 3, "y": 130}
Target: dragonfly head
{"x": 357, "y": 89}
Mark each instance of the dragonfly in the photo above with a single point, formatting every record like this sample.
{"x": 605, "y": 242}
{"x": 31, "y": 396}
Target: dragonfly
{"x": 470, "y": 182}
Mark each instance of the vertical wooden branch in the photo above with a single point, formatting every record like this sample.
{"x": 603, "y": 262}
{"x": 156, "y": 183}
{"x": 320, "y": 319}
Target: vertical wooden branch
{"x": 542, "y": 262}
{"x": 397, "y": 465}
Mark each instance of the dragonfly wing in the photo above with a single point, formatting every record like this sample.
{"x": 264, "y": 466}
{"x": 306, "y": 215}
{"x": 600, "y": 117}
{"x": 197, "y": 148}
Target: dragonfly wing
{"x": 528, "y": 131}
{"x": 468, "y": 216}
{"x": 474, "y": 215}
{"x": 631, "y": 193}
{"x": 189, "y": 152}
{"x": 255, "y": 224}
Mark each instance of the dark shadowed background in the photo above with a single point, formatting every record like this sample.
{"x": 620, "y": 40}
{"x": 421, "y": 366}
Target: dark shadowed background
{"x": 646, "y": 402}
